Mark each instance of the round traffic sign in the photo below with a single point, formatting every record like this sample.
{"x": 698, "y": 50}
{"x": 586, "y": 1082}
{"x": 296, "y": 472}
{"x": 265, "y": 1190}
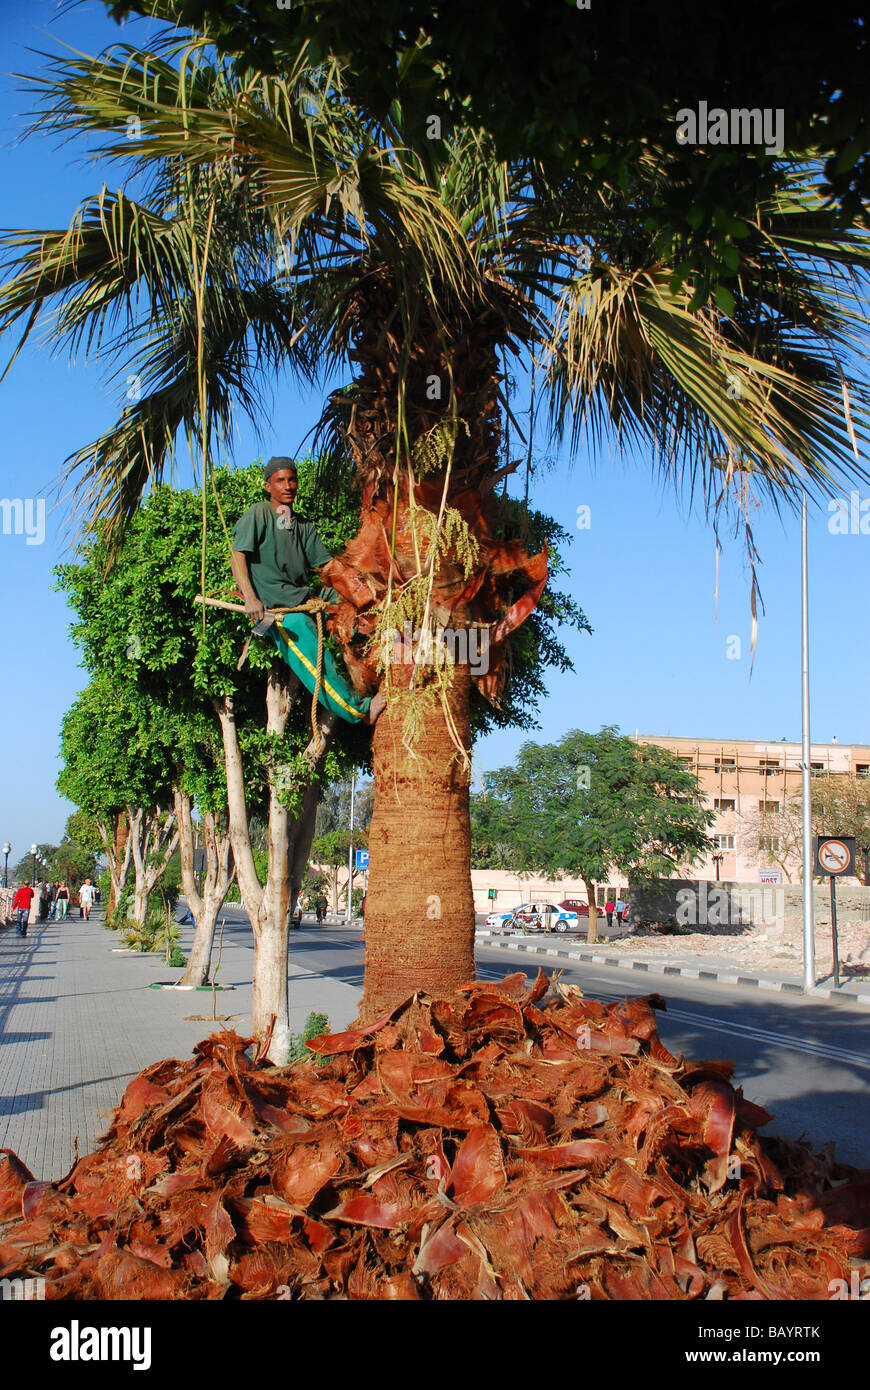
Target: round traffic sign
{"x": 834, "y": 856}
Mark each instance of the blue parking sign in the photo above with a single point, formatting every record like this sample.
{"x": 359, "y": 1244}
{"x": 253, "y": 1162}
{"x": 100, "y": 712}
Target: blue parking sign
{"x": 362, "y": 859}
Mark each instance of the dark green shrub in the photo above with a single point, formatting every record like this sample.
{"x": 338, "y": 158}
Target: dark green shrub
{"x": 315, "y": 1024}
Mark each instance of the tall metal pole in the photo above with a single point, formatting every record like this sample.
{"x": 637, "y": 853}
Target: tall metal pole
{"x": 350, "y": 850}
{"x": 834, "y": 939}
{"x": 807, "y": 818}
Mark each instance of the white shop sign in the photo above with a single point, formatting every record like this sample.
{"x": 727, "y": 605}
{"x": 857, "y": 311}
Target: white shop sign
{"x": 770, "y": 875}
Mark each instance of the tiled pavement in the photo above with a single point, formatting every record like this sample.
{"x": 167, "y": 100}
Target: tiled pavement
{"x": 77, "y": 1021}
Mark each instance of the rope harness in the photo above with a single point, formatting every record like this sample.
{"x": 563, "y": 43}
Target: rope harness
{"x": 316, "y": 606}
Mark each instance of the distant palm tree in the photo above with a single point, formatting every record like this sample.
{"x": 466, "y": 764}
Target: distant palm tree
{"x": 428, "y": 270}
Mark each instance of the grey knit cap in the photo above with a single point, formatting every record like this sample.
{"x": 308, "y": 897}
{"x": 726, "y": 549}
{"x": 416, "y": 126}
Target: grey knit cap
{"x": 275, "y": 465}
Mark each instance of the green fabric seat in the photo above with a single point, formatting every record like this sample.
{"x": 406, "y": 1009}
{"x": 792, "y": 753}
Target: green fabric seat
{"x": 295, "y": 636}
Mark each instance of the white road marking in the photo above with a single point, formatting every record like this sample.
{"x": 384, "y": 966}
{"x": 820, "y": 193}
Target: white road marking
{"x": 829, "y": 1051}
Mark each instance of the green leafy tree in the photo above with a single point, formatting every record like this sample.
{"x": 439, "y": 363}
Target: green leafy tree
{"x": 332, "y": 850}
{"x": 840, "y": 806}
{"x": 115, "y": 743}
{"x": 333, "y": 813}
{"x": 489, "y": 847}
{"x": 76, "y": 856}
{"x": 593, "y": 804}
{"x": 30, "y": 869}
{"x": 83, "y": 830}
{"x": 184, "y": 659}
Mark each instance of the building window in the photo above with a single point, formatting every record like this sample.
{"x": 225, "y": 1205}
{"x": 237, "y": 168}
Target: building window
{"x": 769, "y": 844}
{"x": 687, "y": 762}
{"x": 768, "y": 806}
{"x": 724, "y": 841}
{"x": 726, "y": 764}
{"x": 724, "y": 803}
{"x": 817, "y": 767}
{"x": 862, "y": 769}
{"x": 769, "y": 767}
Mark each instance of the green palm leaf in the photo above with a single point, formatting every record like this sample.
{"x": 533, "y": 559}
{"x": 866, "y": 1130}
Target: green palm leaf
{"x": 479, "y": 250}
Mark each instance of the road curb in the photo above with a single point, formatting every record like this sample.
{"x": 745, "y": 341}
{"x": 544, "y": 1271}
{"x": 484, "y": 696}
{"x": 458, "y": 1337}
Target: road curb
{"x": 690, "y": 972}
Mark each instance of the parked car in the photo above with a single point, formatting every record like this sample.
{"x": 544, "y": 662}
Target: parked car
{"x": 498, "y": 919}
{"x": 534, "y": 916}
{"x": 541, "y": 916}
{"x": 574, "y": 905}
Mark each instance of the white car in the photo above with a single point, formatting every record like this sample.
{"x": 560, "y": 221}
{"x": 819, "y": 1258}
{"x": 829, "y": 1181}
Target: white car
{"x": 533, "y": 916}
{"x": 498, "y": 919}
{"x": 541, "y": 916}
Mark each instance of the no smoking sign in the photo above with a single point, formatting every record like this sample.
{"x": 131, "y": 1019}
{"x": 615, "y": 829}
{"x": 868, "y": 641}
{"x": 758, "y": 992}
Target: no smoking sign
{"x": 835, "y": 855}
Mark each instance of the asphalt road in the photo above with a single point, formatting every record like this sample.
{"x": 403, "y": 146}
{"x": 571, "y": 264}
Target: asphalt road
{"x": 808, "y": 1062}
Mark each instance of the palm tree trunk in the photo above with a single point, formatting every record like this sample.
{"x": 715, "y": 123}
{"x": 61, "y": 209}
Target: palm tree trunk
{"x": 119, "y": 860}
{"x": 419, "y": 925}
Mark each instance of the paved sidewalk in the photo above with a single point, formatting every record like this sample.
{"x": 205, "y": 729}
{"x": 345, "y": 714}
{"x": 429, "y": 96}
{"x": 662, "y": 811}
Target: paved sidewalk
{"x": 77, "y": 1021}
{"x": 671, "y": 961}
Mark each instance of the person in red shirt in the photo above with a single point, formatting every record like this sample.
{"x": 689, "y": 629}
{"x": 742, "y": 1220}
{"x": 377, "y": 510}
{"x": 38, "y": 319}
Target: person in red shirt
{"x": 610, "y": 908}
{"x": 21, "y": 904}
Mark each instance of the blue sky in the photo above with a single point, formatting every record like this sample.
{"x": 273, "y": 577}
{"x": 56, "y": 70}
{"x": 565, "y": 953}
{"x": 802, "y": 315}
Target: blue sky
{"x": 643, "y": 571}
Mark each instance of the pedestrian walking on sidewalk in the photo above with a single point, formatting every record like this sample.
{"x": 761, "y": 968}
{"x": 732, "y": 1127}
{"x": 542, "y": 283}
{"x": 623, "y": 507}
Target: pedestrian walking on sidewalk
{"x": 44, "y": 901}
{"x": 21, "y": 907}
{"x": 61, "y": 902}
{"x": 610, "y": 908}
{"x": 86, "y": 899}
{"x": 621, "y": 910}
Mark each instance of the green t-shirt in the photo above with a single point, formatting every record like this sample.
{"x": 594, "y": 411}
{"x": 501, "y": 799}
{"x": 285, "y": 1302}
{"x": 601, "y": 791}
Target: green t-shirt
{"x": 280, "y": 558}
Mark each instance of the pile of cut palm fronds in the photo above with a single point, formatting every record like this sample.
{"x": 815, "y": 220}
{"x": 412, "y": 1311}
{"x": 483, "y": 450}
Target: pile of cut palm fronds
{"x": 506, "y": 1142}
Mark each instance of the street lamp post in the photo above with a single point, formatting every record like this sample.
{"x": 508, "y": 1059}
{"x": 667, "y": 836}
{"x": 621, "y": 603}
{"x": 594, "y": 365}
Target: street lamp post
{"x": 806, "y": 753}
{"x": 349, "y": 917}
{"x": 6, "y": 852}
{"x": 33, "y": 876}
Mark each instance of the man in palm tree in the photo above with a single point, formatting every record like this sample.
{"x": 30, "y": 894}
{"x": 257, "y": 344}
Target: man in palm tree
{"x": 273, "y": 555}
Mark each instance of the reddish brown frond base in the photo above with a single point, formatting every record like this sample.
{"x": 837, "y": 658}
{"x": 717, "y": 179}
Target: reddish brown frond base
{"x": 505, "y": 1142}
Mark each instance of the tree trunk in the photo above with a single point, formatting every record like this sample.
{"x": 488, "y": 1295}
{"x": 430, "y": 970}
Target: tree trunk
{"x": 205, "y": 907}
{"x": 153, "y": 842}
{"x": 119, "y": 858}
{"x": 118, "y": 850}
{"x": 270, "y": 1003}
{"x": 592, "y": 932}
{"x": 419, "y": 924}
{"x": 135, "y": 820}
{"x": 302, "y": 834}
{"x": 140, "y": 903}
{"x": 269, "y": 908}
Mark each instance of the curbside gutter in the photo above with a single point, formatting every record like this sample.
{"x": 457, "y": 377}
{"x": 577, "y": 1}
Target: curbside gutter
{"x": 859, "y": 994}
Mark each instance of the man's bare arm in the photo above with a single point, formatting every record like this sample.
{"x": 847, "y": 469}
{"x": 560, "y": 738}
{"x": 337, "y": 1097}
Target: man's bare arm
{"x": 242, "y": 575}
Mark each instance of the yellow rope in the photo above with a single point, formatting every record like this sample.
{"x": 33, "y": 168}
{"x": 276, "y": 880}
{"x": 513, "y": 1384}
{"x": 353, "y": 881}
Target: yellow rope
{"x": 315, "y": 727}
{"x": 315, "y": 606}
